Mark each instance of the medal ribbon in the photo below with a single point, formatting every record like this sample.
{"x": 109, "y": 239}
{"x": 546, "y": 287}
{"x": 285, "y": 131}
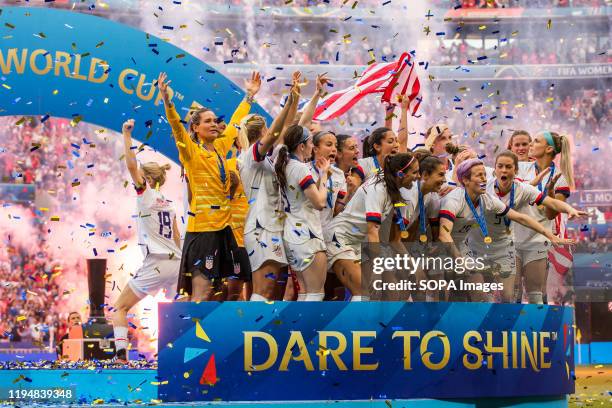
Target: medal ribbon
{"x": 480, "y": 218}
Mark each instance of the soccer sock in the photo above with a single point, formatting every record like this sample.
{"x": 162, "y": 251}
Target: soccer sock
{"x": 301, "y": 297}
{"x": 121, "y": 338}
{"x": 535, "y": 298}
{"x": 314, "y": 297}
{"x": 257, "y": 298}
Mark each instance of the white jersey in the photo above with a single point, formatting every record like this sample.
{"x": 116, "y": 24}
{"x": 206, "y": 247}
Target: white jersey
{"x": 336, "y": 189}
{"x": 455, "y": 208}
{"x": 525, "y": 236}
{"x": 411, "y": 209}
{"x": 261, "y": 188}
{"x": 303, "y": 221}
{"x": 155, "y": 223}
{"x": 370, "y": 166}
{"x": 525, "y": 195}
{"x": 371, "y": 202}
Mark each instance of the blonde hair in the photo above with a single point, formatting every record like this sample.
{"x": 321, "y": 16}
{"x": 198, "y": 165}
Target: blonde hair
{"x": 156, "y": 172}
{"x": 250, "y": 130}
{"x": 433, "y": 133}
{"x": 562, "y": 146}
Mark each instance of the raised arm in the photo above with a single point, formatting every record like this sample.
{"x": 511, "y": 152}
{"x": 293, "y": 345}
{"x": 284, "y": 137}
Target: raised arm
{"x": 560, "y": 206}
{"x": 402, "y": 133}
{"x": 274, "y": 134}
{"x": 252, "y": 87}
{"x": 180, "y": 134}
{"x": 310, "y": 108}
{"x": 389, "y": 115}
{"x": 130, "y": 157}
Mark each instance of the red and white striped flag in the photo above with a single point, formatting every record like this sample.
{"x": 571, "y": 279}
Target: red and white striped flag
{"x": 405, "y": 83}
{"x": 561, "y": 258}
{"x": 375, "y": 79}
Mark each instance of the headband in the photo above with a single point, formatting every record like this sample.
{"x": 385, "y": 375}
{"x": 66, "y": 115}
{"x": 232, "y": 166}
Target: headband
{"x": 400, "y": 172}
{"x": 550, "y": 140}
{"x": 305, "y": 135}
{"x": 466, "y": 166}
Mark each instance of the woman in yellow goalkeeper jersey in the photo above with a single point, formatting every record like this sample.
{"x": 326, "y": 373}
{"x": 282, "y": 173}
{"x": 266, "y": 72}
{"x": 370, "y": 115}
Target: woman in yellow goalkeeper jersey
{"x": 209, "y": 247}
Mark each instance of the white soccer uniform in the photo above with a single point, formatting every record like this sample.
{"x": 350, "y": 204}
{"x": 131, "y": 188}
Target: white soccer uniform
{"x": 411, "y": 209}
{"x": 349, "y": 229}
{"x": 303, "y": 234}
{"x": 532, "y": 246}
{"x": 336, "y": 187}
{"x": 502, "y": 249}
{"x": 455, "y": 208}
{"x": 160, "y": 267}
{"x": 370, "y": 166}
{"x": 263, "y": 230}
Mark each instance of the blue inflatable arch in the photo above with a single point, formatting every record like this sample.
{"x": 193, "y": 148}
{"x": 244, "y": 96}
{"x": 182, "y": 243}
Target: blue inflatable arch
{"x": 86, "y": 68}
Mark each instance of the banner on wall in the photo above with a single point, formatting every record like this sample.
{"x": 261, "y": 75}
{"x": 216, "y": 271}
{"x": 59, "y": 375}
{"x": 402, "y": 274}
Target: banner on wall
{"x": 86, "y": 68}
{"x": 355, "y": 351}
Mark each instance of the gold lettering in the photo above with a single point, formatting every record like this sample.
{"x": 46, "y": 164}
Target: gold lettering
{"x": 544, "y": 350}
{"x": 296, "y": 339}
{"x": 62, "y": 60}
{"x": 139, "y": 93}
{"x": 407, "y": 335}
{"x": 526, "y": 349}
{"x": 11, "y": 58}
{"x": 358, "y": 351}
{"x": 122, "y": 75}
{"x": 335, "y": 353}
{"x": 514, "y": 351}
{"x": 492, "y": 349}
{"x": 471, "y": 349}
{"x": 248, "y": 351}
{"x": 426, "y": 355}
{"x": 93, "y": 66}
{"x": 48, "y": 62}
{"x": 77, "y": 68}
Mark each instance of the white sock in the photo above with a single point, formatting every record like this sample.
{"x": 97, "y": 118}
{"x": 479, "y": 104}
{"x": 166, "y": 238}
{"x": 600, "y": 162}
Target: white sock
{"x": 535, "y": 298}
{"x": 314, "y": 297}
{"x": 356, "y": 298}
{"x": 121, "y": 337}
{"x": 301, "y": 297}
{"x": 257, "y": 298}
{"x": 430, "y": 297}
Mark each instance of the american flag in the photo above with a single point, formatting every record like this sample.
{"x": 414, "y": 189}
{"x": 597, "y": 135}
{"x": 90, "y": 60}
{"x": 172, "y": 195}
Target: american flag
{"x": 560, "y": 258}
{"x": 386, "y": 78}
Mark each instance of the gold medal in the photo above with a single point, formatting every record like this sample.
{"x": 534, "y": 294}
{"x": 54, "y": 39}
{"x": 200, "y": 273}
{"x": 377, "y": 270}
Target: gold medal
{"x": 541, "y": 207}
{"x": 423, "y": 238}
{"x": 404, "y": 234}
{"x": 488, "y": 240}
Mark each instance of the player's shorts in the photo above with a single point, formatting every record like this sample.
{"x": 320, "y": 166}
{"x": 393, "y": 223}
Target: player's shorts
{"x": 537, "y": 251}
{"x": 209, "y": 253}
{"x": 262, "y": 246}
{"x": 242, "y": 266}
{"x": 157, "y": 272}
{"x": 300, "y": 256}
{"x": 497, "y": 261}
{"x": 342, "y": 248}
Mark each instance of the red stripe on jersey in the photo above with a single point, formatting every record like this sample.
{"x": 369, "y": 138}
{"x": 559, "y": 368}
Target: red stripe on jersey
{"x": 306, "y": 182}
{"x": 540, "y": 199}
{"x": 341, "y": 194}
{"x": 256, "y": 156}
{"x": 373, "y": 217}
{"x": 448, "y": 215}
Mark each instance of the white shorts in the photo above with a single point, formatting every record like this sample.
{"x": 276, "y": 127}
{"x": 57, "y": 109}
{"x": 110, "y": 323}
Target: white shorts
{"x": 342, "y": 248}
{"x": 262, "y": 246}
{"x": 300, "y": 256}
{"x": 499, "y": 261}
{"x": 539, "y": 250}
{"x": 157, "y": 272}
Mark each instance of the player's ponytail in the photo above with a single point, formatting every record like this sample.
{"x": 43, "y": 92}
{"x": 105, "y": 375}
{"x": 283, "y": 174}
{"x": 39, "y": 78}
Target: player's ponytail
{"x": 156, "y": 172}
{"x": 394, "y": 168}
{"x": 562, "y": 144}
{"x": 295, "y": 136}
{"x": 251, "y": 127}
